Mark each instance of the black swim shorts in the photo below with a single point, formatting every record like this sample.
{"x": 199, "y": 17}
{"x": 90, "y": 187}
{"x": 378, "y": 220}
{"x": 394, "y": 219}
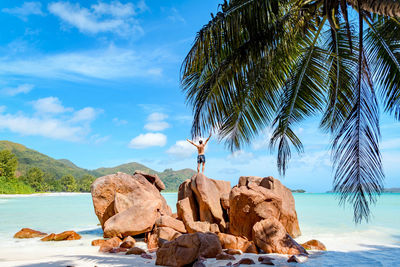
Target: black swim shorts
{"x": 201, "y": 159}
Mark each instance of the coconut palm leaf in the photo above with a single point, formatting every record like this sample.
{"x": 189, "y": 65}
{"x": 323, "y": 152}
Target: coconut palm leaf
{"x": 357, "y": 160}
{"x": 383, "y": 46}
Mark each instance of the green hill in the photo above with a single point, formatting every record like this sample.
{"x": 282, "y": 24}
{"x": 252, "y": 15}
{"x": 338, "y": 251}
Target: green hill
{"x": 28, "y": 158}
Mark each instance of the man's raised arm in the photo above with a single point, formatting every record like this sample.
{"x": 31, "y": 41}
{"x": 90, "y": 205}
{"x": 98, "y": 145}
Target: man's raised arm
{"x": 191, "y": 142}
{"x": 208, "y": 138}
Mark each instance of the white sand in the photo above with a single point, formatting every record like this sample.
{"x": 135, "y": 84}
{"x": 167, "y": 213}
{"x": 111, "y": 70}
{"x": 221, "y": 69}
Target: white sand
{"x": 360, "y": 249}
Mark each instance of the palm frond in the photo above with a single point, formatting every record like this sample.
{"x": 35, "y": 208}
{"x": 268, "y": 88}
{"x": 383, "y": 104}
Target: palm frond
{"x": 357, "y": 160}
{"x": 302, "y": 97}
{"x": 383, "y": 46}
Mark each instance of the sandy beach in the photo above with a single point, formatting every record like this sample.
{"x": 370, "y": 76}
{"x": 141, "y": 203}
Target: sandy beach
{"x": 348, "y": 245}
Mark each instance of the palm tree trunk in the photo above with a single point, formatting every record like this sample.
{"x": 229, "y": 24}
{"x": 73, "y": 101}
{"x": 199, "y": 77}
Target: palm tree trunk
{"x": 389, "y": 8}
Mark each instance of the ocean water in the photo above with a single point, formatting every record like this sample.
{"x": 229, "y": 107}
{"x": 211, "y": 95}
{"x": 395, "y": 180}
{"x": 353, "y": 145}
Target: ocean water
{"x": 320, "y": 217}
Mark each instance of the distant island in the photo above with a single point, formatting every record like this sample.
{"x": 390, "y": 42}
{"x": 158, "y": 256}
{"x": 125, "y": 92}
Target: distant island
{"x": 385, "y": 190}
{"x": 298, "y": 191}
{"x": 24, "y": 170}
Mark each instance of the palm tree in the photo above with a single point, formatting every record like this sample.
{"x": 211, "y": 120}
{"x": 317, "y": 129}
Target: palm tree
{"x": 272, "y": 63}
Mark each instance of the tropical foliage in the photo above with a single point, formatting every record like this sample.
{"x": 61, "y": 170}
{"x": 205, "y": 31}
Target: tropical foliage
{"x": 41, "y": 173}
{"x": 273, "y": 63}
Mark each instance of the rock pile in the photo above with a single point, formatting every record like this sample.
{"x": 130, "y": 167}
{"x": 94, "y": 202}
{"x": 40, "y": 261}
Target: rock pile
{"x": 257, "y": 215}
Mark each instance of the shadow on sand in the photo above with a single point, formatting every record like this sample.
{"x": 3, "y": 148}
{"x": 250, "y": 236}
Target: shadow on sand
{"x": 374, "y": 255}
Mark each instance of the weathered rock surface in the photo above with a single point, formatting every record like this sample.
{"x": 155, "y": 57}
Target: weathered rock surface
{"x": 98, "y": 242}
{"x": 255, "y": 199}
{"x": 121, "y": 203}
{"x": 187, "y": 248}
{"x": 109, "y": 244}
{"x": 153, "y": 179}
{"x": 185, "y": 191}
{"x": 128, "y": 242}
{"x": 270, "y": 236}
{"x": 314, "y": 245}
{"x": 235, "y": 242}
{"x": 167, "y": 233}
{"x": 28, "y": 233}
{"x": 168, "y": 221}
{"x": 138, "y": 219}
{"x": 135, "y": 191}
{"x": 208, "y": 194}
{"x": 67, "y": 235}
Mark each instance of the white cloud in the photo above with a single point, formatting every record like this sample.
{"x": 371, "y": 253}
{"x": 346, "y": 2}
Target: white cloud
{"x": 85, "y": 114}
{"x": 23, "y": 88}
{"x": 148, "y": 140}
{"x": 119, "y": 122}
{"x": 46, "y": 127}
{"x": 109, "y": 63}
{"x": 156, "y": 122}
{"x": 262, "y": 141}
{"x": 156, "y": 126}
{"x": 182, "y": 149}
{"x": 114, "y": 17}
{"x": 157, "y": 116}
{"x": 49, "y": 105}
{"x": 52, "y": 120}
{"x": 28, "y": 8}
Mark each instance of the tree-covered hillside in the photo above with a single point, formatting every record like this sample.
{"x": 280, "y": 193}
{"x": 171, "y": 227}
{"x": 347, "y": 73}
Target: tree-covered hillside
{"x": 35, "y": 169}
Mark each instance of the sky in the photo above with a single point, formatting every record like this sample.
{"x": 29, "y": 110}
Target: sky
{"x": 97, "y": 82}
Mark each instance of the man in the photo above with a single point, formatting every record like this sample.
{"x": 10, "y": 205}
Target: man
{"x": 201, "y": 158}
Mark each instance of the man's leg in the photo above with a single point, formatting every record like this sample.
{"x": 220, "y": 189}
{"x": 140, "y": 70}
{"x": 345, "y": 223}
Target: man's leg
{"x": 198, "y": 167}
{"x": 203, "y": 167}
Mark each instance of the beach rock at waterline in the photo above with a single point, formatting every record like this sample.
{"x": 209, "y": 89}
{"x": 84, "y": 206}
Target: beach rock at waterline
{"x": 231, "y": 251}
{"x": 225, "y": 256}
{"x": 255, "y": 199}
{"x": 153, "y": 179}
{"x": 266, "y": 260}
{"x": 168, "y": 221}
{"x": 28, "y": 233}
{"x": 136, "y": 191}
{"x": 135, "y": 251}
{"x": 270, "y": 236}
{"x": 118, "y": 250}
{"x": 208, "y": 194}
{"x": 187, "y": 248}
{"x": 313, "y": 245}
{"x": 238, "y": 243}
{"x": 67, "y": 235}
{"x": 244, "y": 261}
{"x": 298, "y": 258}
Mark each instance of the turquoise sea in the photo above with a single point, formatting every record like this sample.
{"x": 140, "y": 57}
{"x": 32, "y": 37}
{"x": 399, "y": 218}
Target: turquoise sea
{"x": 319, "y": 215}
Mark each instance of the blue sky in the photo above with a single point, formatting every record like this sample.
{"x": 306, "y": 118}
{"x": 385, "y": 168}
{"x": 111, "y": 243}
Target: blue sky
{"x": 97, "y": 82}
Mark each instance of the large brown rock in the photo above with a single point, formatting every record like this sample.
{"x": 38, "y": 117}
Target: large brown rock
{"x": 138, "y": 219}
{"x": 185, "y": 191}
{"x": 313, "y": 245}
{"x": 187, "y": 248}
{"x": 121, "y": 203}
{"x": 67, "y": 235}
{"x": 168, "y": 221}
{"x": 270, "y": 236}
{"x": 167, "y": 233}
{"x": 121, "y": 195}
{"x": 235, "y": 242}
{"x": 28, "y": 233}
{"x": 186, "y": 213}
{"x": 208, "y": 194}
{"x": 153, "y": 179}
{"x": 255, "y": 199}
